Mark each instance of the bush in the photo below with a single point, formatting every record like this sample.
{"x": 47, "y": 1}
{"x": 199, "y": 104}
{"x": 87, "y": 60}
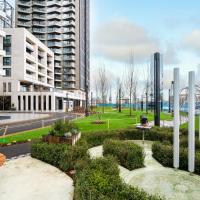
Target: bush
{"x": 97, "y": 138}
{"x": 49, "y": 153}
{"x": 164, "y": 154}
{"x": 60, "y": 128}
{"x": 72, "y": 155}
{"x": 129, "y": 155}
{"x": 100, "y": 180}
{"x": 61, "y": 156}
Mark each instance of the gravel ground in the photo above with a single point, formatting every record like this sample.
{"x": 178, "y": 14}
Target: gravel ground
{"x": 28, "y": 178}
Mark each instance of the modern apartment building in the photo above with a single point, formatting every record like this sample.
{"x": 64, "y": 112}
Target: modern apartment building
{"x": 6, "y": 20}
{"x": 28, "y": 84}
{"x": 63, "y": 25}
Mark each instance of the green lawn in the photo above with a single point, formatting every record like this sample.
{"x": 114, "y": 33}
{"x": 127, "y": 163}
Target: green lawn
{"x": 196, "y": 124}
{"x": 113, "y": 120}
{"x": 24, "y": 136}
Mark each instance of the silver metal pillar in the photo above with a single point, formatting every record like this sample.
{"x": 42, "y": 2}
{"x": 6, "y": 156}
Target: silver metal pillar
{"x": 191, "y": 126}
{"x": 176, "y": 141}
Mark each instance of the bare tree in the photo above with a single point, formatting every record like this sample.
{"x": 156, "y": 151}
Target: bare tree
{"x": 103, "y": 85}
{"x": 147, "y": 86}
{"x": 129, "y": 80}
{"x": 119, "y": 94}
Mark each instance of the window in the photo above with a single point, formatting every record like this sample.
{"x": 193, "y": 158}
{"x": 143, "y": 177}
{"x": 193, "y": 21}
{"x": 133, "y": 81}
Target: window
{"x": 7, "y": 61}
{"x": 9, "y": 87}
{"x": 7, "y": 72}
{"x": 4, "y": 87}
{"x": 7, "y": 44}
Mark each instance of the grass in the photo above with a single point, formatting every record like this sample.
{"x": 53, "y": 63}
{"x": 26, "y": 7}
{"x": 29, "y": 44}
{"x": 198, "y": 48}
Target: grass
{"x": 24, "y": 136}
{"x": 196, "y": 124}
{"x": 113, "y": 120}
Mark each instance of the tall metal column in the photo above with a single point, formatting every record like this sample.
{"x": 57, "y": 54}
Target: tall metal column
{"x": 176, "y": 142}
{"x": 191, "y": 126}
{"x": 157, "y": 99}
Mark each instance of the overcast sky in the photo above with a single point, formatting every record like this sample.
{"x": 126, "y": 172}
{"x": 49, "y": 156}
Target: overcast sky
{"x": 145, "y": 26}
{"x": 171, "y": 27}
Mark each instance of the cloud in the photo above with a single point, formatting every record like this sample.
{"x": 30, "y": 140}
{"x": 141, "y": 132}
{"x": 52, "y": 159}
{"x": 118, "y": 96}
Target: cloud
{"x": 170, "y": 55}
{"x": 191, "y": 41}
{"x": 116, "y": 39}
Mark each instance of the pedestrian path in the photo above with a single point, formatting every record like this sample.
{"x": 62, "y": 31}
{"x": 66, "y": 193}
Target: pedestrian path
{"x": 156, "y": 179}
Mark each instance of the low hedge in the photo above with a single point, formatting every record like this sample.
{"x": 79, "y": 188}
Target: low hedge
{"x": 100, "y": 180}
{"x": 164, "y": 154}
{"x": 129, "y": 155}
{"x": 61, "y": 156}
{"x": 155, "y": 134}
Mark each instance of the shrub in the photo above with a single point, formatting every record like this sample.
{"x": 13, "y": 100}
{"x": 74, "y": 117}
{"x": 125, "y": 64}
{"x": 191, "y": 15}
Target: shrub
{"x": 97, "y": 138}
{"x": 72, "y": 155}
{"x": 100, "y": 180}
{"x": 60, "y": 128}
{"x": 62, "y": 156}
{"x": 128, "y": 154}
{"x": 164, "y": 154}
{"x": 49, "y": 153}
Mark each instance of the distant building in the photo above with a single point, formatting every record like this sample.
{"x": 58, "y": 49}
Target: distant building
{"x": 28, "y": 84}
{"x": 6, "y": 20}
{"x": 64, "y": 27}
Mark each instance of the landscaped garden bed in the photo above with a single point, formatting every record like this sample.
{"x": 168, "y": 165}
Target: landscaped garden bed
{"x": 128, "y": 154}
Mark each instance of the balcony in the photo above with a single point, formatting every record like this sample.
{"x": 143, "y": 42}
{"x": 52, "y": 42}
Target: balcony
{"x": 38, "y": 23}
{"x": 24, "y": 24}
{"x": 69, "y": 58}
{"x": 54, "y": 44}
{"x": 38, "y": 10}
{"x": 53, "y": 23}
{"x": 69, "y": 51}
{"x": 39, "y": 30}
{"x": 24, "y": 17}
{"x": 57, "y": 51}
{"x": 54, "y": 30}
{"x": 24, "y": 10}
{"x": 69, "y": 23}
{"x": 69, "y": 9}
{"x": 24, "y": 3}
{"x": 30, "y": 77}
{"x": 57, "y": 71}
{"x": 53, "y": 16}
{"x": 35, "y": 16}
{"x": 58, "y": 58}
{"x": 39, "y": 3}
{"x": 69, "y": 71}
{"x": 69, "y": 37}
{"x": 29, "y": 46}
{"x": 30, "y": 67}
{"x": 54, "y": 2}
{"x": 70, "y": 65}
{"x": 68, "y": 44}
{"x": 30, "y": 57}
{"x": 54, "y": 37}
{"x": 70, "y": 86}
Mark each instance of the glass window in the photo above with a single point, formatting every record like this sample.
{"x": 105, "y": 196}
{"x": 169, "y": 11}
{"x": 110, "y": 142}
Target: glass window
{"x": 4, "y": 87}
{"x": 7, "y": 61}
{"x": 7, "y": 72}
{"x": 9, "y": 87}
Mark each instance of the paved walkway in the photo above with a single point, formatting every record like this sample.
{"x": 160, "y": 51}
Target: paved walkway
{"x": 156, "y": 179}
{"x": 30, "y": 179}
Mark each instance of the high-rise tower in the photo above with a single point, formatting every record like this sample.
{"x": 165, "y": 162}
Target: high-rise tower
{"x": 63, "y": 25}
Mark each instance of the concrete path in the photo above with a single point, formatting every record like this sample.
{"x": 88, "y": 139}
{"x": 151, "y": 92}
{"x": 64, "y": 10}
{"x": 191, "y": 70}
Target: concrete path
{"x": 30, "y": 179}
{"x": 156, "y": 179}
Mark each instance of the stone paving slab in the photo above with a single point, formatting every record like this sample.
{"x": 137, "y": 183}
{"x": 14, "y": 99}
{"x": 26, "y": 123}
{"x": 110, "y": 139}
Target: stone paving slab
{"x": 156, "y": 179}
{"x": 30, "y": 179}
